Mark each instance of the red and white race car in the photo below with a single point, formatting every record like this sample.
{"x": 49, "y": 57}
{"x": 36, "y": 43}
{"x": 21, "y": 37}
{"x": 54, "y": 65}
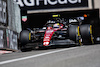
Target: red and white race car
{"x": 57, "y": 32}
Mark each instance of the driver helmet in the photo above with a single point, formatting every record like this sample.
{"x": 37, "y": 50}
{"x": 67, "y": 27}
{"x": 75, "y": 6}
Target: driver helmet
{"x": 57, "y": 25}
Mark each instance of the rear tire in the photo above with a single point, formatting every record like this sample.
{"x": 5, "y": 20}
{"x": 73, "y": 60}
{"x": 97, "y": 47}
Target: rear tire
{"x": 86, "y": 34}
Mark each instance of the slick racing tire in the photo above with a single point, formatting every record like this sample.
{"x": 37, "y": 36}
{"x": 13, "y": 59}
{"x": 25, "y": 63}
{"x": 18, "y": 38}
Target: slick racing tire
{"x": 74, "y": 34}
{"x": 86, "y": 34}
{"x": 24, "y": 37}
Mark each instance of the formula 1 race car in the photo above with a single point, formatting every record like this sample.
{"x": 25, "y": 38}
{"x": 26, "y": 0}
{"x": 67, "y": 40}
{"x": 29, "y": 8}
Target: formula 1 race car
{"x": 58, "y": 32}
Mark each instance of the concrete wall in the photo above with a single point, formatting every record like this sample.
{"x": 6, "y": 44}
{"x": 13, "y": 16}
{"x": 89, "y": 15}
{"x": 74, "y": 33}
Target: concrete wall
{"x": 97, "y": 3}
{"x": 14, "y": 16}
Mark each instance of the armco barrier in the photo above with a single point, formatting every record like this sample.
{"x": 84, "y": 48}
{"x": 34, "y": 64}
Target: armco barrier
{"x": 8, "y": 39}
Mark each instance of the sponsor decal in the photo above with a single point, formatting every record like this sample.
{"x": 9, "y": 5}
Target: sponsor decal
{"x": 50, "y": 4}
{"x": 48, "y": 35}
{"x": 24, "y": 18}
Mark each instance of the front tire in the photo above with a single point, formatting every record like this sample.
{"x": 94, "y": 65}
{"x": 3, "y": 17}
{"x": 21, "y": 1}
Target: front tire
{"x": 24, "y": 39}
{"x": 74, "y": 34}
{"x": 86, "y": 34}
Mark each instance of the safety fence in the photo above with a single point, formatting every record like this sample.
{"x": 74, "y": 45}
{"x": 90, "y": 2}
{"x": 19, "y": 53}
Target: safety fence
{"x": 10, "y": 25}
{"x": 8, "y": 39}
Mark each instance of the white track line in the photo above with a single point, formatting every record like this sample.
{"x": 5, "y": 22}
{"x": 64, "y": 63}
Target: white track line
{"x": 33, "y": 56}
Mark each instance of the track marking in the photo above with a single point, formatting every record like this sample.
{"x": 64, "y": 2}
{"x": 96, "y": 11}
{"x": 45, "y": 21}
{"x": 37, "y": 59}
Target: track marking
{"x": 33, "y": 56}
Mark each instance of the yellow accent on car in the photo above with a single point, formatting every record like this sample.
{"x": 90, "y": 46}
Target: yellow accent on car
{"x": 29, "y": 36}
{"x": 91, "y": 34}
{"x": 79, "y": 35}
{"x": 80, "y": 42}
{"x": 90, "y": 29}
{"x": 56, "y": 15}
{"x": 78, "y": 31}
{"x": 92, "y": 39}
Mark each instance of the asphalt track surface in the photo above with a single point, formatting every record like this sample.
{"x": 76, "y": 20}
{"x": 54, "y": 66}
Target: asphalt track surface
{"x": 84, "y": 56}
